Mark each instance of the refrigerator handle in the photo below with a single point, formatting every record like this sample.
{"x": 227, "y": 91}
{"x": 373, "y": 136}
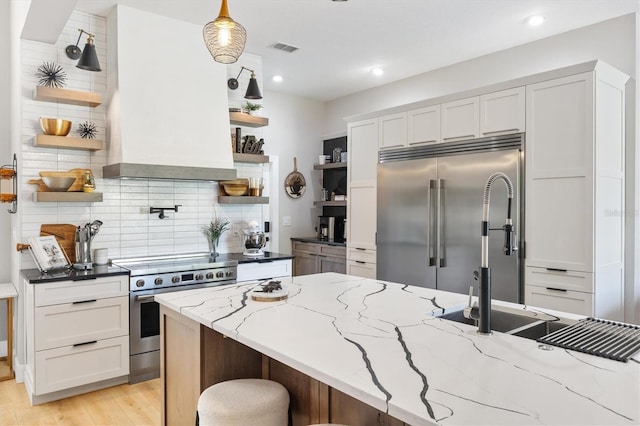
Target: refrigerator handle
{"x": 440, "y": 229}
{"x": 431, "y": 225}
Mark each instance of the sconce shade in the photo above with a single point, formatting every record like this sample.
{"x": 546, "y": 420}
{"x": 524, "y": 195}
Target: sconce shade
{"x": 224, "y": 37}
{"x": 253, "y": 91}
{"x": 89, "y": 59}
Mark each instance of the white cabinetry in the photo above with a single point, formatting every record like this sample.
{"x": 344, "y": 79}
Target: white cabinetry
{"x": 424, "y": 126}
{"x": 575, "y": 193}
{"x": 361, "y": 191}
{"x": 264, "y": 269}
{"x": 392, "y": 131}
{"x": 77, "y": 336}
{"x": 502, "y": 112}
{"x": 460, "y": 119}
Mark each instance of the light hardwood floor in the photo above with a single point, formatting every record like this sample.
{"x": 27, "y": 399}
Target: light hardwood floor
{"x": 126, "y": 404}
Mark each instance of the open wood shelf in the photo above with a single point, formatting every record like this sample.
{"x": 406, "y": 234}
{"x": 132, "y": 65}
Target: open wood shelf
{"x": 330, "y": 166}
{"x": 330, "y": 203}
{"x": 227, "y": 199}
{"x": 67, "y": 96}
{"x": 239, "y": 157}
{"x": 83, "y": 197}
{"x": 243, "y": 119}
{"x": 48, "y": 141}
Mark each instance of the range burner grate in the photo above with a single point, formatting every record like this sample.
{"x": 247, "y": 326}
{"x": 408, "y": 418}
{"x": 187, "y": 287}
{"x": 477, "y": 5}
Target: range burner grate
{"x": 607, "y": 339}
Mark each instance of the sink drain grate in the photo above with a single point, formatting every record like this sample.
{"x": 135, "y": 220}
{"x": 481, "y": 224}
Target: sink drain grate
{"x": 598, "y": 337}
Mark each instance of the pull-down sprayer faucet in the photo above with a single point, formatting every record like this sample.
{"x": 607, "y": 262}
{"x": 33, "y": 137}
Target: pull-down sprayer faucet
{"x": 483, "y": 314}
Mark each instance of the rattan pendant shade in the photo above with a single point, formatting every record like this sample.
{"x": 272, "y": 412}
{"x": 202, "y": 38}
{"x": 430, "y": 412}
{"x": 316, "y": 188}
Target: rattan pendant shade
{"x": 224, "y": 37}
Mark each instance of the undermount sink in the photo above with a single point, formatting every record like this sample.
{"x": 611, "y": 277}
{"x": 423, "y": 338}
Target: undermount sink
{"x": 511, "y": 323}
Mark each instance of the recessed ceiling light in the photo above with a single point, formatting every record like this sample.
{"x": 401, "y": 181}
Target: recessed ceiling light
{"x": 377, "y": 71}
{"x": 535, "y": 20}
{"x": 277, "y": 78}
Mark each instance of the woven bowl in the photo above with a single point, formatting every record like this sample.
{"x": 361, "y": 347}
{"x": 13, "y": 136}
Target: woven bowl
{"x": 55, "y": 126}
{"x": 58, "y": 183}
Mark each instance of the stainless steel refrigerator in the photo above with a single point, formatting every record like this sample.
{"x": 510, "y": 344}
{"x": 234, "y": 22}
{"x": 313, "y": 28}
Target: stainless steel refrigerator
{"x": 430, "y": 211}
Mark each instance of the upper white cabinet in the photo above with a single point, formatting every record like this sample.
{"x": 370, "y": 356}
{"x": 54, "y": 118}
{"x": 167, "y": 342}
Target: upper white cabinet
{"x": 424, "y": 126}
{"x": 460, "y": 119}
{"x": 392, "y": 131}
{"x": 362, "y": 145}
{"x": 575, "y": 192}
{"x": 502, "y": 112}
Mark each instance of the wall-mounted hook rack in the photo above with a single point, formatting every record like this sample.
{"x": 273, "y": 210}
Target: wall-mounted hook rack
{"x": 10, "y": 171}
{"x": 161, "y": 210}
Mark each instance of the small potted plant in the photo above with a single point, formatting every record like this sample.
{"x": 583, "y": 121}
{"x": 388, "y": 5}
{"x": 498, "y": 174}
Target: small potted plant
{"x": 213, "y": 231}
{"x": 251, "y": 108}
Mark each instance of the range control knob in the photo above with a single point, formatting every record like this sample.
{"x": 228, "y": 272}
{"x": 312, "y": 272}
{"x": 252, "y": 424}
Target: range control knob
{"x": 219, "y": 274}
{"x": 175, "y": 279}
{"x": 209, "y": 275}
{"x": 157, "y": 281}
{"x": 140, "y": 283}
{"x": 199, "y": 277}
{"x": 229, "y": 274}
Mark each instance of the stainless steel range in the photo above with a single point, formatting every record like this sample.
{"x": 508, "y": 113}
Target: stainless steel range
{"x": 161, "y": 274}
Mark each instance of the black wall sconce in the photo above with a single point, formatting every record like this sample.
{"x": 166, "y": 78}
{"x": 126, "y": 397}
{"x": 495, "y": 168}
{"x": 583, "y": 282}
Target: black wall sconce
{"x": 253, "y": 91}
{"x": 88, "y": 57}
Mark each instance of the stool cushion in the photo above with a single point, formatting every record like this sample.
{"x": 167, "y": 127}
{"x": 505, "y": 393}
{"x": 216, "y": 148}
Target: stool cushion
{"x": 244, "y": 402}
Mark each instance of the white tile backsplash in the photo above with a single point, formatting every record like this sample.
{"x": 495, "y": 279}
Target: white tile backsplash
{"x": 128, "y": 229}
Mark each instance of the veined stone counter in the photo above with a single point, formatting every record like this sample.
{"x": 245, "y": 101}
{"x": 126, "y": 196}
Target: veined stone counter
{"x": 383, "y": 344}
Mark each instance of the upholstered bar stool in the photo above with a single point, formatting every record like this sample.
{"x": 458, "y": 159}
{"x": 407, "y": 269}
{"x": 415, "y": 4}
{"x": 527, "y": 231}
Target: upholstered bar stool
{"x": 244, "y": 402}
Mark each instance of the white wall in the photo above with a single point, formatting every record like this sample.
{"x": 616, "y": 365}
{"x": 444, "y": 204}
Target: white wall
{"x": 613, "y": 41}
{"x": 295, "y": 130}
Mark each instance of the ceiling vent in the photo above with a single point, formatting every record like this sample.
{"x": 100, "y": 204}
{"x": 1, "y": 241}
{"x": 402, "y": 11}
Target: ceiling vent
{"x": 285, "y": 47}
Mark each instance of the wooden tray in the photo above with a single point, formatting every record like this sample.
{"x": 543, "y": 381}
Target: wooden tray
{"x": 78, "y": 174}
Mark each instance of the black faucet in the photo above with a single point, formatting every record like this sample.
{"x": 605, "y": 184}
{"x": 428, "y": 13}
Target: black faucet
{"x": 482, "y": 313}
{"x": 161, "y": 210}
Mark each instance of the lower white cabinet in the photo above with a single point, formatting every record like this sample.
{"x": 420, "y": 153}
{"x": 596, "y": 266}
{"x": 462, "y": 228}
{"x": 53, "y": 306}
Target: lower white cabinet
{"x": 574, "y": 302}
{"x": 264, "y": 269}
{"x": 361, "y": 262}
{"x": 77, "y": 339}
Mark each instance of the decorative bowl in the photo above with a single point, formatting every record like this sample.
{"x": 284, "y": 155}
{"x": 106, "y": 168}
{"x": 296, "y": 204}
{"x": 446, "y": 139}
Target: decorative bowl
{"x": 55, "y": 126}
{"x": 58, "y": 183}
{"x": 236, "y": 187}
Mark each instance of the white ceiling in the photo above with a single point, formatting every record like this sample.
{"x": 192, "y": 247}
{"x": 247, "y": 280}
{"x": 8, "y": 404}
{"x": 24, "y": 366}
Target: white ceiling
{"x": 341, "y": 41}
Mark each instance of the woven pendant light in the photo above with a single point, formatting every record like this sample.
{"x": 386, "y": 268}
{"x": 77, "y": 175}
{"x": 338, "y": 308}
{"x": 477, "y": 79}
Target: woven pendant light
{"x": 224, "y": 37}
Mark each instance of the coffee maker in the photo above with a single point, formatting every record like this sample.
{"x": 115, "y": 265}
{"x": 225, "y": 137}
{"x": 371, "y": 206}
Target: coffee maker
{"x": 330, "y": 228}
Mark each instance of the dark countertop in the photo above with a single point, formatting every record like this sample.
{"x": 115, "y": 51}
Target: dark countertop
{"x": 34, "y": 276}
{"x": 240, "y": 258}
{"x": 317, "y": 241}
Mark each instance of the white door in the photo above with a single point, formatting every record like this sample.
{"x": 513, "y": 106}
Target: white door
{"x": 363, "y": 151}
{"x": 393, "y": 131}
{"x": 460, "y": 119}
{"x": 424, "y": 125}
{"x": 502, "y": 112}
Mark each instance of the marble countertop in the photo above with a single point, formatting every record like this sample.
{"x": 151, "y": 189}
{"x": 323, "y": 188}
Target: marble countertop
{"x": 383, "y": 344}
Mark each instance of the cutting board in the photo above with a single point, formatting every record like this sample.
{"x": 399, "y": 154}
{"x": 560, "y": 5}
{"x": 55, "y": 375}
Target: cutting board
{"x": 66, "y": 236}
{"x": 79, "y": 174}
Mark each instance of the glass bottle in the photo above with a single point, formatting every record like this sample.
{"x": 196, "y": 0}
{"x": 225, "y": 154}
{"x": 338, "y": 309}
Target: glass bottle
{"x": 88, "y": 185}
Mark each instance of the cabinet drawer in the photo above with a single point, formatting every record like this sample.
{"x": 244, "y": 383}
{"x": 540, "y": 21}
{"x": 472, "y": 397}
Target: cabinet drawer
{"x": 334, "y": 251}
{"x": 264, "y": 270}
{"x": 561, "y": 280}
{"x": 306, "y": 247}
{"x": 72, "y": 323}
{"x": 70, "y": 366}
{"x": 574, "y": 302}
{"x": 361, "y": 254}
{"x": 361, "y": 269}
{"x": 74, "y": 291}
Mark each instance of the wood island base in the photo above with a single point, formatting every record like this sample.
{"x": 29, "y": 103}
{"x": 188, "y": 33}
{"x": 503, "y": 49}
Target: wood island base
{"x": 194, "y": 357}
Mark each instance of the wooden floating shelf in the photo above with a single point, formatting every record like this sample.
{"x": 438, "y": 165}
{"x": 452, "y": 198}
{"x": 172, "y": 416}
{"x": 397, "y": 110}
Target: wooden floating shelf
{"x": 243, "y": 119}
{"x": 227, "y": 199}
{"x": 329, "y": 166}
{"x": 239, "y": 157}
{"x": 330, "y": 203}
{"x": 49, "y": 141}
{"x": 67, "y": 96}
{"x": 81, "y": 197}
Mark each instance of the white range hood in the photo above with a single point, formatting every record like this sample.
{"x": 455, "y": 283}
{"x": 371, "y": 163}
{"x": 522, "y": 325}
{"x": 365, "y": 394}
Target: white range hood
{"x": 168, "y": 114}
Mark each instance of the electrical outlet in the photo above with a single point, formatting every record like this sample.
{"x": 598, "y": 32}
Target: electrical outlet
{"x": 286, "y": 220}
{"x": 235, "y": 228}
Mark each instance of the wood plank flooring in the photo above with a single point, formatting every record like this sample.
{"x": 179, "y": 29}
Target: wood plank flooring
{"x": 125, "y": 404}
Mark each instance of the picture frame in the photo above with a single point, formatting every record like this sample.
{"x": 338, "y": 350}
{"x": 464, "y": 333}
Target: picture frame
{"x": 47, "y": 253}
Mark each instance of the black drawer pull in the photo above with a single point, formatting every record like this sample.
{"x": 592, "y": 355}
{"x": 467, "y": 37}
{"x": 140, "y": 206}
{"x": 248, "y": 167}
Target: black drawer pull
{"x": 264, "y": 261}
{"x": 556, "y": 269}
{"x": 360, "y": 248}
{"x": 85, "y": 343}
{"x": 83, "y": 278}
{"x": 85, "y": 301}
{"x": 360, "y": 261}
{"x": 556, "y": 289}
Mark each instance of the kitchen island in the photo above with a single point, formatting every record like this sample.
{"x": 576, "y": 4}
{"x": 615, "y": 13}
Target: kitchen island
{"x": 359, "y": 351}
